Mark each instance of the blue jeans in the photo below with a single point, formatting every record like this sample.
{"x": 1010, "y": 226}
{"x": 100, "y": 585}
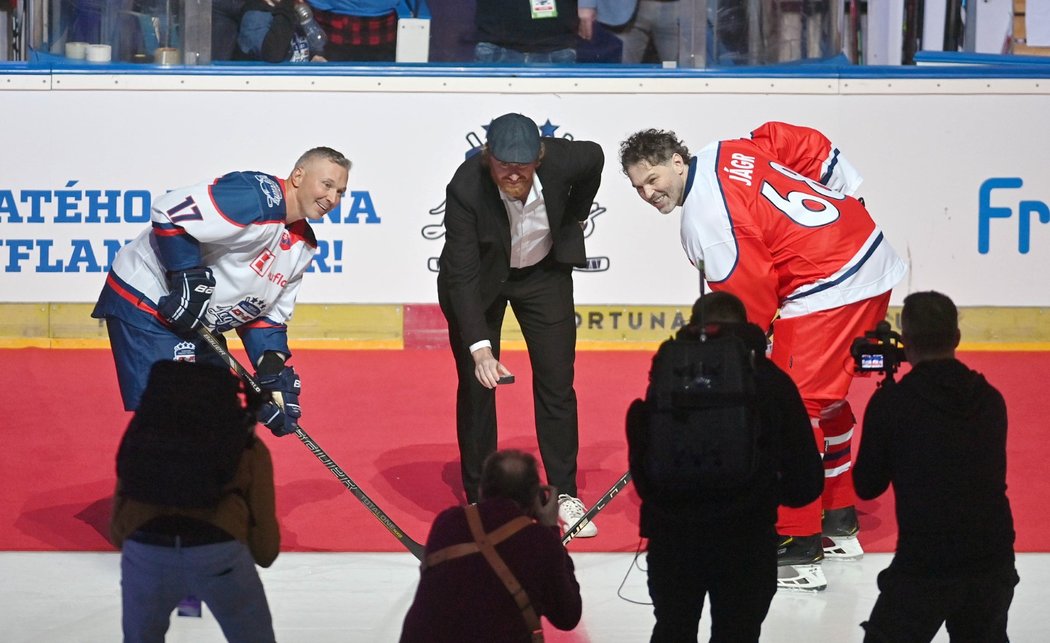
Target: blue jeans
{"x": 154, "y": 579}
{"x": 487, "y": 52}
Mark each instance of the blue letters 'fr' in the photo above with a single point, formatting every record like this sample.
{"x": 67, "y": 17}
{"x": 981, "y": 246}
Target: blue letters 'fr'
{"x": 1025, "y": 209}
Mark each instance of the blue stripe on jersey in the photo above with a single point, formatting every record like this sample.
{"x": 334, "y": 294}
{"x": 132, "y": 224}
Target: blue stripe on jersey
{"x": 844, "y": 276}
{"x": 831, "y": 456}
{"x": 244, "y": 198}
{"x": 831, "y": 167}
{"x": 692, "y": 175}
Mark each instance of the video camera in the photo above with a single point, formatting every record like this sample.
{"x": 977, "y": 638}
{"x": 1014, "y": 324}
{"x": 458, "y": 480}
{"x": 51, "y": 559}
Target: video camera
{"x": 879, "y": 351}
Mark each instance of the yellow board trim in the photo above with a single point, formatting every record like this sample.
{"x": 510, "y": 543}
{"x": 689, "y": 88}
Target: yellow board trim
{"x": 381, "y": 327}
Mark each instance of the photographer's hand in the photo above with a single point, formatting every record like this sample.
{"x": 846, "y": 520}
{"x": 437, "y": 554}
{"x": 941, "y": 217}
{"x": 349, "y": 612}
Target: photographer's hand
{"x": 545, "y": 506}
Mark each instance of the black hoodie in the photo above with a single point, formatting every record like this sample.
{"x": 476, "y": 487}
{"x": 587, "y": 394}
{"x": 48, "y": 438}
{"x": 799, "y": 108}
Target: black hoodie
{"x": 939, "y": 436}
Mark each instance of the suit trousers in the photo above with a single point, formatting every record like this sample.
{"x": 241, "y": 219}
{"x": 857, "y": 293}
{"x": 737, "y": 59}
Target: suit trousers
{"x": 542, "y": 301}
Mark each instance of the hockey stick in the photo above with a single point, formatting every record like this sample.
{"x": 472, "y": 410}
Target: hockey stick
{"x": 598, "y": 506}
{"x": 412, "y": 546}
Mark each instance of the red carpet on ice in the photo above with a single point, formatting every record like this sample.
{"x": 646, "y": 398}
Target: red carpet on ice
{"x": 386, "y": 418}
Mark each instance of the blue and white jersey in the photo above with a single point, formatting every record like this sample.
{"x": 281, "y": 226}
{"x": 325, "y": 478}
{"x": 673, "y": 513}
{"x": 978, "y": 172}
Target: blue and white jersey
{"x": 235, "y": 226}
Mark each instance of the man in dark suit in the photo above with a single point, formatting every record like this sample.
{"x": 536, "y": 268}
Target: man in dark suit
{"x": 513, "y": 220}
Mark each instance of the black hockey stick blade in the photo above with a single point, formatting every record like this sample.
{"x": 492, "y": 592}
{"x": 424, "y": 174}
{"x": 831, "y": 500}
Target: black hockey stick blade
{"x": 412, "y": 546}
{"x": 598, "y": 506}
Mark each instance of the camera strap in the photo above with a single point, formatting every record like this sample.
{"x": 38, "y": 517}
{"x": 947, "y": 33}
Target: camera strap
{"x": 485, "y": 543}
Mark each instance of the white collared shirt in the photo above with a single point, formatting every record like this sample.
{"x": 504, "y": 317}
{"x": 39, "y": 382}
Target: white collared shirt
{"x": 530, "y": 230}
{"x": 530, "y": 233}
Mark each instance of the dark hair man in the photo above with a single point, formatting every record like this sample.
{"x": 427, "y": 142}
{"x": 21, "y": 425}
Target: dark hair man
{"x": 768, "y": 218}
{"x": 493, "y": 569}
{"x": 193, "y": 512}
{"x": 939, "y": 437}
{"x": 513, "y": 232}
{"x": 721, "y": 542}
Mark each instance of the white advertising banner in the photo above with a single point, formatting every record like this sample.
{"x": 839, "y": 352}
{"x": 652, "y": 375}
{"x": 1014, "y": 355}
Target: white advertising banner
{"x": 958, "y": 181}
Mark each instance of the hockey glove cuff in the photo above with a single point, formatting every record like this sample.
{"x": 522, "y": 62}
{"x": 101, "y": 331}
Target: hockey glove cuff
{"x": 281, "y": 413}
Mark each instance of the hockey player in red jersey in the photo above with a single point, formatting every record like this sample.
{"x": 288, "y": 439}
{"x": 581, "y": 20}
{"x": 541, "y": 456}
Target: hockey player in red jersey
{"x": 225, "y": 254}
{"x": 771, "y": 219}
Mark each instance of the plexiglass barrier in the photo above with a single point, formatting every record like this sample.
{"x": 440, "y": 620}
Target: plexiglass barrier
{"x": 704, "y": 33}
{"x": 169, "y": 32}
{"x": 764, "y": 32}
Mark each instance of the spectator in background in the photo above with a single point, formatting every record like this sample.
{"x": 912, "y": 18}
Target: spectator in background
{"x": 641, "y": 23}
{"x": 451, "y": 30}
{"x": 463, "y": 595}
{"x": 194, "y": 506}
{"x": 531, "y": 31}
{"x": 939, "y": 437}
{"x": 358, "y": 30}
{"x": 271, "y": 32}
{"x": 225, "y": 24}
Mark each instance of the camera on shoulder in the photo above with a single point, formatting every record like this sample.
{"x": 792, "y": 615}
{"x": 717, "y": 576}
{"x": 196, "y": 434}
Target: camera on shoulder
{"x": 879, "y": 351}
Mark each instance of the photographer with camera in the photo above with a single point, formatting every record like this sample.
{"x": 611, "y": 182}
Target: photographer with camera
{"x": 492, "y": 569}
{"x": 711, "y": 521}
{"x": 939, "y": 437}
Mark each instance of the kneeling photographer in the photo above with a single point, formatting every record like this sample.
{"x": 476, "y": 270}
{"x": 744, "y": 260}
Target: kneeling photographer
{"x": 939, "y": 437}
{"x": 711, "y": 469}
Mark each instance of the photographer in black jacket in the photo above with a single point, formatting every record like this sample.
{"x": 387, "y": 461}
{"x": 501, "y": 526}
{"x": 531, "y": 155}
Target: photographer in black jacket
{"x": 723, "y": 543}
{"x": 939, "y": 436}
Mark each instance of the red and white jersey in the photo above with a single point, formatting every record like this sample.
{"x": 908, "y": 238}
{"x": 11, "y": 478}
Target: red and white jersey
{"x": 771, "y": 222}
{"x": 238, "y": 222}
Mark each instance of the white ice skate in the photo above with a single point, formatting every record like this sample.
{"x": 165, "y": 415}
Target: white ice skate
{"x": 842, "y": 548}
{"x": 801, "y": 578}
{"x": 840, "y": 529}
{"x": 798, "y": 564}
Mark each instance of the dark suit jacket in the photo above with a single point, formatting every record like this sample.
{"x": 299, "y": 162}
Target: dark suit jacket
{"x": 475, "y": 261}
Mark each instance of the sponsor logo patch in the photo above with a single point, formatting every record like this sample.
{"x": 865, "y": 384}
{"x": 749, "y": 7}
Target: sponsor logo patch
{"x": 261, "y": 264}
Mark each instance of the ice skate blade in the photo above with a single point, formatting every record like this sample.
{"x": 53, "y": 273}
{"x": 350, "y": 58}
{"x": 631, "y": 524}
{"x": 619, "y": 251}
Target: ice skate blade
{"x": 801, "y": 578}
{"x": 842, "y": 548}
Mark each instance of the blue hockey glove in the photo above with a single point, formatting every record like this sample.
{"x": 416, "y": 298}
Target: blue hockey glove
{"x": 186, "y": 304}
{"x": 285, "y": 385}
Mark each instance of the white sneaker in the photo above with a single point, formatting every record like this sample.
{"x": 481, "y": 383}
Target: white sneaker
{"x": 570, "y": 510}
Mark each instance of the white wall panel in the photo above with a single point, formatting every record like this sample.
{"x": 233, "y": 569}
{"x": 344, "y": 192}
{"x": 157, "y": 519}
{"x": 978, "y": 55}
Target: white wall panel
{"x": 925, "y": 148}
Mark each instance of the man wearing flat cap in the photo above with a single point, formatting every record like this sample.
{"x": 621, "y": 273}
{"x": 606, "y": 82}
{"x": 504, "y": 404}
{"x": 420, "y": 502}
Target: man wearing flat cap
{"x": 513, "y": 232}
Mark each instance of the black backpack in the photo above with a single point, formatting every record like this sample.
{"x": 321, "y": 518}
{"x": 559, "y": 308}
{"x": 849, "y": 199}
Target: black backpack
{"x": 703, "y": 423}
{"x": 186, "y": 440}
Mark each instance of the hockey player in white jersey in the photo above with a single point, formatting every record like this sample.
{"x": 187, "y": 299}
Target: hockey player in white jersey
{"x": 227, "y": 254}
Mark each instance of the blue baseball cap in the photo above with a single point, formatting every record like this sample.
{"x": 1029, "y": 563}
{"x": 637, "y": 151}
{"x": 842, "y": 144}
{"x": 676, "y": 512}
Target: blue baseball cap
{"x": 514, "y": 138}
